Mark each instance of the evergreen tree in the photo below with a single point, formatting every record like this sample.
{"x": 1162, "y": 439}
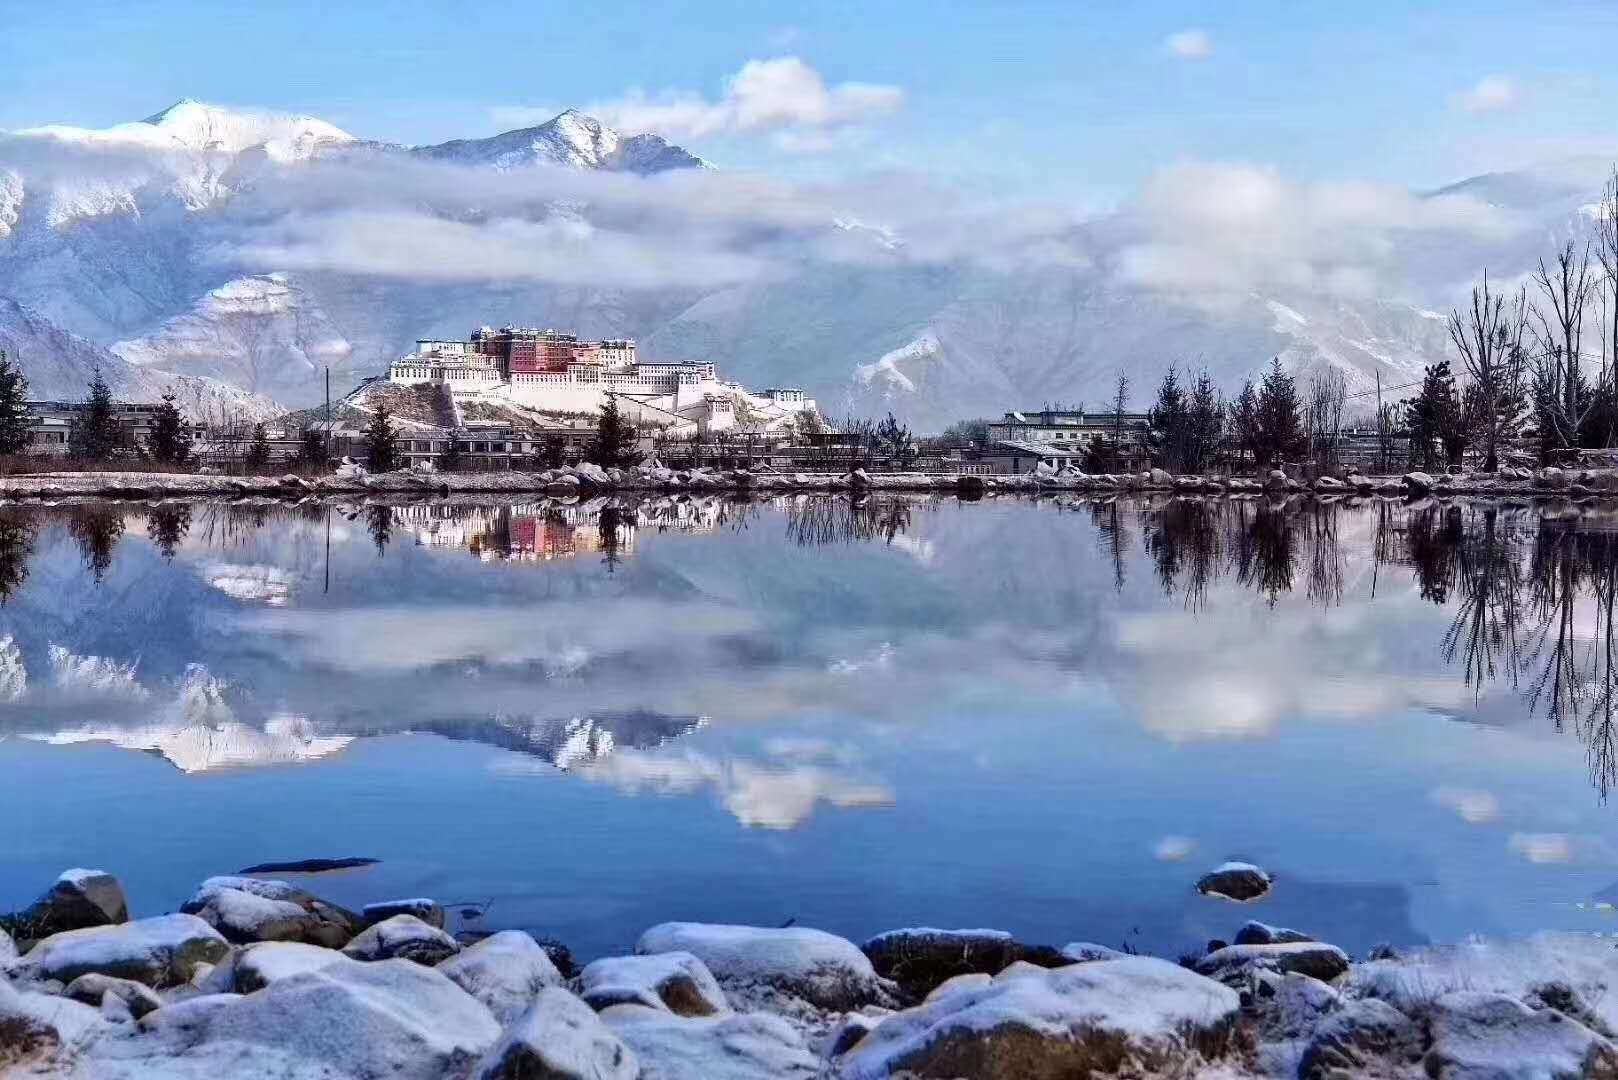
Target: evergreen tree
{"x": 169, "y": 443}
{"x": 895, "y": 440}
{"x": 96, "y": 434}
{"x": 1168, "y": 426}
{"x": 1279, "y": 427}
{"x": 614, "y": 444}
{"x": 1435, "y": 419}
{"x": 257, "y": 458}
{"x": 1244, "y": 421}
{"x": 14, "y": 435}
{"x": 313, "y": 452}
{"x": 1207, "y": 424}
{"x": 381, "y": 442}
{"x": 552, "y": 452}
{"x": 450, "y": 459}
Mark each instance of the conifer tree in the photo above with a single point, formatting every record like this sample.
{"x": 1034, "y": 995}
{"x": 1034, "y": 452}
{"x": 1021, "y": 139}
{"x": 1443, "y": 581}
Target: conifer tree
{"x": 450, "y": 459}
{"x": 257, "y": 457}
{"x": 381, "y": 442}
{"x": 1435, "y": 420}
{"x": 96, "y": 435}
{"x": 14, "y": 435}
{"x": 169, "y": 443}
{"x": 1279, "y": 427}
{"x": 614, "y": 444}
{"x": 312, "y": 450}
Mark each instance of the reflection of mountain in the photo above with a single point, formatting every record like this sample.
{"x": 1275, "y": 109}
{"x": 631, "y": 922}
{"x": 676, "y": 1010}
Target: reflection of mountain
{"x": 203, "y": 746}
{"x": 576, "y": 741}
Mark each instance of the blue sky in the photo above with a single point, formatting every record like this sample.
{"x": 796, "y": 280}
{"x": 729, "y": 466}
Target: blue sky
{"x": 1076, "y": 100}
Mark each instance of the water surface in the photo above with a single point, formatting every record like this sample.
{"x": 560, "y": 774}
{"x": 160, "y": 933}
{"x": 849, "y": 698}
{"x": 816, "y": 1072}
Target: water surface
{"x": 1047, "y": 716}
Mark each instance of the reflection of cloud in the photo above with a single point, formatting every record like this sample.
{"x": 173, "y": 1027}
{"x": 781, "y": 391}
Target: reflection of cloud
{"x": 1173, "y": 848}
{"x": 770, "y": 796}
{"x": 94, "y": 676}
{"x": 1542, "y": 847}
{"x": 881, "y": 658}
{"x": 561, "y": 635}
{"x": 264, "y": 584}
{"x": 1475, "y": 807}
{"x": 1492, "y": 93}
{"x": 1190, "y": 45}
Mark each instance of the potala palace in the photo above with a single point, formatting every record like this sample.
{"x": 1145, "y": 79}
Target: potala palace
{"x": 551, "y": 371}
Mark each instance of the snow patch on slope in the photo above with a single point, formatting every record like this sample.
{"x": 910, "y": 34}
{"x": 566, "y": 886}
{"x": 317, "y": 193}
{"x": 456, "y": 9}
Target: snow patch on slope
{"x": 886, "y": 367}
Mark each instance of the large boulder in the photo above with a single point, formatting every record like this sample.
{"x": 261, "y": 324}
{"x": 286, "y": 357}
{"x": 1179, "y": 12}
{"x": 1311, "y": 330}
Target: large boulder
{"x": 1487, "y": 1036}
{"x": 758, "y": 963}
{"x": 37, "y": 1028}
{"x": 1313, "y": 958}
{"x": 1254, "y": 932}
{"x": 424, "y": 908}
{"x": 744, "y": 1046}
{"x": 1418, "y": 483}
{"x": 246, "y": 909}
{"x": 1137, "y": 1017}
{"x": 256, "y": 966}
{"x": 389, "y": 1019}
{"x": 1551, "y": 478}
{"x": 558, "y": 1037}
{"x": 403, "y": 937}
{"x": 160, "y": 952}
{"x": 920, "y": 959}
{"x": 77, "y": 900}
{"x": 505, "y": 971}
{"x": 92, "y": 989}
{"x": 1366, "y": 1038}
{"x": 675, "y": 982}
{"x": 1235, "y": 881}
{"x": 1160, "y": 478}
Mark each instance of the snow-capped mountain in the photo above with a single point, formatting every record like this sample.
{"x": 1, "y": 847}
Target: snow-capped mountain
{"x": 262, "y": 333}
{"x": 60, "y": 365}
{"x": 133, "y": 237}
{"x": 572, "y": 139}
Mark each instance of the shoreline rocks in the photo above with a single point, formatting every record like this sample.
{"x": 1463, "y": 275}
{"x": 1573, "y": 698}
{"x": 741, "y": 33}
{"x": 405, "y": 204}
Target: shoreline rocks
{"x": 171, "y": 997}
{"x": 1238, "y": 881}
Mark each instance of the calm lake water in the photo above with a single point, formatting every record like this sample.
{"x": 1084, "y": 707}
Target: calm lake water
{"x": 1045, "y": 716}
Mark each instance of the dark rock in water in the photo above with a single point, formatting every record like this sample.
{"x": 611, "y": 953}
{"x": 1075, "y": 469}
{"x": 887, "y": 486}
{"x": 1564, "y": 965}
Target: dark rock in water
{"x": 920, "y": 959}
{"x": 1257, "y": 933}
{"x": 1235, "y": 881}
{"x": 1382, "y": 951}
{"x": 1313, "y": 958}
{"x": 1214, "y": 945}
{"x": 77, "y": 900}
{"x": 308, "y": 866}
{"x": 1367, "y": 1038}
{"x": 969, "y": 487}
{"x": 428, "y": 911}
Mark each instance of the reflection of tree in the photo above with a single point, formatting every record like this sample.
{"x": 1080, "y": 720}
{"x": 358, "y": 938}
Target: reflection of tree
{"x": 17, "y": 533}
{"x": 96, "y": 530}
{"x": 1265, "y": 555}
{"x": 167, "y": 527}
{"x": 610, "y": 523}
{"x": 1186, "y": 542}
{"x": 379, "y": 523}
{"x": 1113, "y": 537}
{"x": 1325, "y": 560}
{"x": 817, "y": 521}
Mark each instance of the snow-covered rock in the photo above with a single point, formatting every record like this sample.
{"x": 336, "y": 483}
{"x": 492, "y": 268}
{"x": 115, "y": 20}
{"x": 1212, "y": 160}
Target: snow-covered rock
{"x": 1238, "y": 881}
{"x": 676, "y": 982}
{"x": 40, "y": 1028}
{"x": 8, "y": 950}
{"x": 505, "y": 971}
{"x": 1477, "y": 1034}
{"x": 74, "y": 901}
{"x": 1313, "y": 958}
{"x": 921, "y": 958}
{"x": 247, "y": 909}
{"x": 1137, "y": 1016}
{"x": 403, "y": 936}
{"x": 757, "y": 963}
{"x": 161, "y": 951}
{"x": 558, "y": 1037}
{"x": 1085, "y": 952}
{"x": 93, "y": 988}
{"x": 1366, "y": 1037}
{"x": 389, "y": 1019}
{"x": 744, "y": 1046}
{"x": 254, "y": 967}
{"x": 427, "y": 910}
{"x": 1254, "y": 932}
{"x": 1418, "y": 483}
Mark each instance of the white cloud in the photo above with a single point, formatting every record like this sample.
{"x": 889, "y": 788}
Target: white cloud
{"x": 1173, "y": 848}
{"x": 1492, "y": 93}
{"x": 1190, "y": 44}
{"x": 1475, "y": 807}
{"x": 1542, "y": 847}
{"x": 782, "y": 94}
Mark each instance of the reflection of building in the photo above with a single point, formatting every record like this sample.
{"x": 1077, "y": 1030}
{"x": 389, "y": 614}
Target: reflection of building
{"x": 541, "y": 531}
{"x": 553, "y": 371}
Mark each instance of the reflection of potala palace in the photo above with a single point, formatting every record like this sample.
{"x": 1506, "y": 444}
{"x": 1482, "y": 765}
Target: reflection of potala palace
{"x": 556, "y": 372}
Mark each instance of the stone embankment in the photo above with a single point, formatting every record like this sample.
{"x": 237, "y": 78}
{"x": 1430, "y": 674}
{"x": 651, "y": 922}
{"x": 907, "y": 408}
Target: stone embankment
{"x": 592, "y": 479}
{"x": 259, "y": 977}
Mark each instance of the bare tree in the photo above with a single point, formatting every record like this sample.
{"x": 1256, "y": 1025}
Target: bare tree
{"x": 1559, "y": 335}
{"x": 1489, "y": 337}
{"x": 1323, "y": 416}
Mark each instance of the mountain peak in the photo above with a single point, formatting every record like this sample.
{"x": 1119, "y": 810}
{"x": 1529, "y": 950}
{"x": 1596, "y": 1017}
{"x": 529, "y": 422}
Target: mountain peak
{"x": 572, "y": 138}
